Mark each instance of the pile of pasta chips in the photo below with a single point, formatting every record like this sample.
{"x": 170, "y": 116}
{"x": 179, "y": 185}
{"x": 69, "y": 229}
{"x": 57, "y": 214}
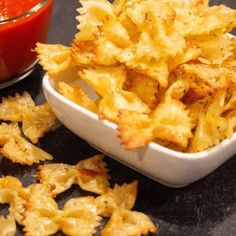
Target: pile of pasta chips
{"x": 163, "y": 70}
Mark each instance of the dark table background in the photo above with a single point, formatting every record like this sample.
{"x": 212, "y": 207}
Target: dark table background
{"x": 207, "y": 207}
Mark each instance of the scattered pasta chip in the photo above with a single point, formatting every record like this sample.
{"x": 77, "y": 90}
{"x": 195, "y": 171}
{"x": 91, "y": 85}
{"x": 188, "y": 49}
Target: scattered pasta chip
{"x": 17, "y": 206}
{"x": 37, "y": 225}
{"x": 81, "y": 212}
{"x": 7, "y": 226}
{"x": 61, "y": 176}
{"x": 78, "y": 217}
{"x": 93, "y": 174}
{"x": 17, "y": 149}
{"x": 120, "y": 197}
{"x": 12, "y": 108}
{"x": 12, "y": 192}
{"x": 41, "y": 209}
{"x": 9, "y": 188}
{"x": 90, "y": 174}
{"x": 129, "y": 223}
{"x": 37, "y": 121}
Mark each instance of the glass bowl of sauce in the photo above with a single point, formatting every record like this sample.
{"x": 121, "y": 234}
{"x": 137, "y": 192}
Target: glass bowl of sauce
{"x": 23, "y": 23}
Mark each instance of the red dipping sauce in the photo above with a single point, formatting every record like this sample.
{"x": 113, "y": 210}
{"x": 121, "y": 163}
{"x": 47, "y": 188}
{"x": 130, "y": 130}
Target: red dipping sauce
{"x": 23, "y": 23}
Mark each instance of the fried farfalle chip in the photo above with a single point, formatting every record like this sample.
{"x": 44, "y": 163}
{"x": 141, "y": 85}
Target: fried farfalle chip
{"x": 80, "y": 217}
{"x": 169, "y": 121}
{"x": 87, "y": 47}
{"x": 40, "y": 211}
{"x": 61, "y": 176}
{"x": 54, "y": 58}
{"x": 77, "y": 95}
{"x": 128, "y": 223}
{"x": 215, "y": 48}
{"x": 12, "y": 108}
{"x": 17, "y": 149}
{"x": 111, "y": 104}
{"x": 12, "y": 193}
{"x": 202, "y": 19}
{"x": 37, "y": 225}
{"x": 90, "y": 174}
{"x": 17, "y": 206}
{"x": 120, "y": 197}
{"x": 104, "y": 79}
{"x": 145, "y": 87}
{"x": 7, "y": 226}
{"x": 37, "y": 121}
{"x": 212, "y": 126}
{"x": 157, "y": 70}
{"x": 92, "y": 14}
{"x": 212, "y": 76}
{"x": 9, "y": 188}
{"x": 230, "y": 101}
{"x": 108, "y": 83}
{"x": 93, "y": 174}
{"x": 39, "y": 198}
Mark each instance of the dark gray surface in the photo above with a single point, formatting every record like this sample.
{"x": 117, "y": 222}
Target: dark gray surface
{"x": 207, "y": 207}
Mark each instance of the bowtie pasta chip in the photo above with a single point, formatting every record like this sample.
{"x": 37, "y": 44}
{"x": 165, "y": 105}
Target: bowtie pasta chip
{"x": 37, "y": 121}
{"x": 215, "y": 48}
{"x": 81, "y": 212}
{"x": 213, "y": 126}
{"x": 77, "y": 95}
{"x": 108, "y": 83}
{"x": 9, "y": 188}
{"x": 7, "y": 226}
{"x": 90, "y": 174}
{"x": 12, "y": 108}
{"x": 169, "y": 121}
{"x": 18, "y": 149}
{"x": 128, "y": 223}
{"x": 123, "y": 196}
{"x": 54, "y": 58}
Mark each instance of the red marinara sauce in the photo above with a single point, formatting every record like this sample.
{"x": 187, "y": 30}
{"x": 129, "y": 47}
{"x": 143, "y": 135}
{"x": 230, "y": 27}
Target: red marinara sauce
{"x": 20, "y": 30}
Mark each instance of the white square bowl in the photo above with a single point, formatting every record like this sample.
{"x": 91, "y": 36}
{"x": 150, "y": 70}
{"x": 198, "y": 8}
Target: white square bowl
{"x": 171, "y": 168}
